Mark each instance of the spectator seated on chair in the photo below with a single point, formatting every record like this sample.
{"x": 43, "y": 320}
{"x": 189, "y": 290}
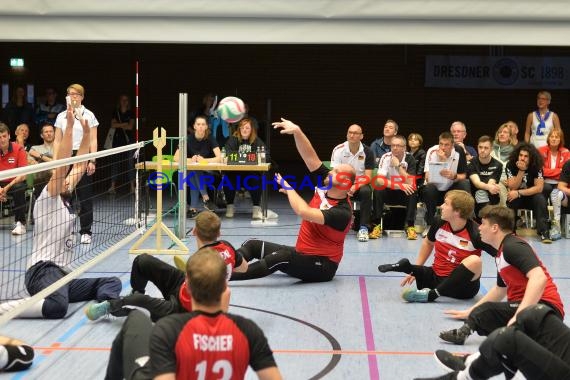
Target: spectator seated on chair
{"x": 13, "y": 156}
{"x": 201, "y": 147}
{"x": 395, "y": 183}
{"x": 525, "y": 183}
{"x": 415, "y": 142}
{"x": 450, "y": 167}
{"x": 244, "y": 140}
{"x": 559, "y": 199}
{"x": 484, "y": 172}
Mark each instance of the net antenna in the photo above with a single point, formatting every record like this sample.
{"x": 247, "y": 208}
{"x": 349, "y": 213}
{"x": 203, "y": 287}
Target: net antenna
{"x": 159, "y": 227}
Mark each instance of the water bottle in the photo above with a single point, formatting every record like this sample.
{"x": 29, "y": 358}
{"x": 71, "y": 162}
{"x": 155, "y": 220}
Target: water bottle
{"x": 258, "y": 153}
{"x": 262, "y": 155}
{"x": 223, "y": 155}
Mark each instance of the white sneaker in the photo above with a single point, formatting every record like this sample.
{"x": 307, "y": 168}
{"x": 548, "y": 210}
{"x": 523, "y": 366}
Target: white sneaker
{"x": 272, "y": 214}
{"x": 256, "y": 213}
{"x": 19, "y": 229}
{"x": 85, "y": 239}
{"x": 425, "y": 231}
{"x": 362, "y": 235}
{"x": 230, "y": 210}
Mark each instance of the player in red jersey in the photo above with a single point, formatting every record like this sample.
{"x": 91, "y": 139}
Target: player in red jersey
{"x": 169, "y": 280}
{"x": 456, "y": 267}
{"x": 521, "y": 278}
{"x": 204, "y": 344}
{"x": 325, "y": 221}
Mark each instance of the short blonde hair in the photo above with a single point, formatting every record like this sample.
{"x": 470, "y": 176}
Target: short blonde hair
{"x": 77, "y": 87}
{"x": 461, "y": 201}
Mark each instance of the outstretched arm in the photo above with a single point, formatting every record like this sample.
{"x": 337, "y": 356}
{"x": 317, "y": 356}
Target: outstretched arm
{"x": 302, "y": 143}
{"x": 63, "y": 149}
{"x": 79, "y": 168}
{"x": 300, "y": 207}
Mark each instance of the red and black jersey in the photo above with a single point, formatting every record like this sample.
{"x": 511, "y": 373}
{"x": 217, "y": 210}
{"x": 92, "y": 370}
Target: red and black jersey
{"x": 15, "y": 157}
{"x": 327, "y": 239}
{"x": 515, "y": 258}
{"x": 230, "y": 256}
{"x": 452, "y": 247}
{"x": 199, "y": 345}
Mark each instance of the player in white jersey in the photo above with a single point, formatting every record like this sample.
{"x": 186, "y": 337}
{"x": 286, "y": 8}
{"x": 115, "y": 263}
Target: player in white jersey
{"x": 53, "y": 238}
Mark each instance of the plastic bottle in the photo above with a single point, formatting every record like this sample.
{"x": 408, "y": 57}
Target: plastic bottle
{"x": 262, "y": 155}
{"x": 258, "y": 153}
{"x": 223, "y": 155}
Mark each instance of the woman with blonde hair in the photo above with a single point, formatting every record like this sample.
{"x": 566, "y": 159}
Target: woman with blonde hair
{"x": 503, "y": 146}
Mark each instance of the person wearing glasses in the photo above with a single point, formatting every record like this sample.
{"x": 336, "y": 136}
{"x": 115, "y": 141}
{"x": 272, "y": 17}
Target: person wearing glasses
{"x": 356, "y": 154}
{"x": 84, "y": 188}
{"x": 394, "y": 183}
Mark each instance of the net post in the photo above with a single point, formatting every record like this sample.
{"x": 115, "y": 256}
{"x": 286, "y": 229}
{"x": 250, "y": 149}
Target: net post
{"x": 182, "y": 149}
{"x": 159, "y": 141}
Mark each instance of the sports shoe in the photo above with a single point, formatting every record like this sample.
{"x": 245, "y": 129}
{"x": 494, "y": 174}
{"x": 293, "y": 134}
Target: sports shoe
{"x": 209, "y": 205}
{"x": 272, "y": 214}
{"x": 376, "y": 232}
{"x": 20, "y": 357}
{"x": 425, "y": 232}
{"x": 545, "y": 238}
{"x": 180, "y": 263}
{"x": 412, "y": 295}
{"x": 192, "y": 213}
{"x": 555, "y": 233}
{"x": 85, "y": 239}
{"x": 95, "y": 311}
{"x": 19, "y": 229}
{"x": 362, "y": 234}
{"x": 449, "y": 361}
{"x": 447, "y": 376}
{"x": 400, "y": 266}
{"x": 256, "y": 213}
{"x": 455, "y": 336}
{"x": 411, "y": 233}
{"x": 230, "y": 211}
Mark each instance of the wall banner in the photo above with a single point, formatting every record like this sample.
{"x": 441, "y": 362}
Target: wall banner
{"x": 550, "y": 73}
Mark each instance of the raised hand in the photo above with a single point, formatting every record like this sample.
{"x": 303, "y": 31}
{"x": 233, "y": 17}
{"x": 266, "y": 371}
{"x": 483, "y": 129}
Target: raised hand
{"x": 287, "y": 126}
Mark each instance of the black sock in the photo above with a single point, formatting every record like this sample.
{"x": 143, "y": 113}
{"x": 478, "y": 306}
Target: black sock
{"x": 432, "y": 295}
{"x": 252, "y": 249}
{"x": 403, "y": 266}
{"x": 460, "y": 276}
{"x": 255, "y": 270}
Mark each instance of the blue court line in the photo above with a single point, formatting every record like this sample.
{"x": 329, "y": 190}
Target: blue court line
{"x": 38, "y": 359}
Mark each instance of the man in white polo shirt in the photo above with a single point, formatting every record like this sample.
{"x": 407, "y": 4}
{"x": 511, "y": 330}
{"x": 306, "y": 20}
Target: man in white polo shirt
{"x": 445, "y": 169}
{"x": 354, "y": 153}
{"x": 84, "y": 188}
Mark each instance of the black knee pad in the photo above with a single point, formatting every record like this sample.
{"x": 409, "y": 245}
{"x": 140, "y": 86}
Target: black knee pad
{"x": 499, "y": 343}
{"x": 530, "y": 319}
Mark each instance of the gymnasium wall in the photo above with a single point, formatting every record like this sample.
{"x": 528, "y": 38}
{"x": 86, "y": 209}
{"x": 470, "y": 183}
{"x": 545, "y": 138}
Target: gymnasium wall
{"x": 324, "y": 88}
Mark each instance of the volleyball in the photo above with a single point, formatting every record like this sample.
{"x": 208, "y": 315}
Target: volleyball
{"x": 231, "y": 109}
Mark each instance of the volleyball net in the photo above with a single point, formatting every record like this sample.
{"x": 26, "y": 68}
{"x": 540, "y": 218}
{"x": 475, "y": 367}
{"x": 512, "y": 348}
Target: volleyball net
{"x": 112, "y": 219}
